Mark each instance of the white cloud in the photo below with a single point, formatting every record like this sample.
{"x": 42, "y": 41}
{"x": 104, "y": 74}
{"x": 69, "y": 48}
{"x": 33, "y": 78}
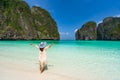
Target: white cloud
{"x": 75, "y": 30}
{"x": 117, "y": 15}
{"x": 37, "y": 5}
{"x": 64, "y": 33}
{"x": 99, "y": 22}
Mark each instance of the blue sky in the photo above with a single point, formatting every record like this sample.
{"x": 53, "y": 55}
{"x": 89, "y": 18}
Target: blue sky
{"x": 72, "y": 14}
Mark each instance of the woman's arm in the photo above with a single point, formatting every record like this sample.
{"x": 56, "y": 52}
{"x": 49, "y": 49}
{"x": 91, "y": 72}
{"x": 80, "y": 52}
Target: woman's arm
{"x": 35, "y": 46}
{"x": 49, "y": 46}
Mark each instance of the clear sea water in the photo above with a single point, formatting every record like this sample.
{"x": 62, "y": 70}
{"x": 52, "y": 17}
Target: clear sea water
{"x": 81, "y": 60}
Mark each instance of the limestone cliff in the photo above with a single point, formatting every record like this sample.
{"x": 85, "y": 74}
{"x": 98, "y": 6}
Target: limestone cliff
{"x": 87, "y": 31}
{"x": 18, "y": 21}
{"x": 109, "y": 29}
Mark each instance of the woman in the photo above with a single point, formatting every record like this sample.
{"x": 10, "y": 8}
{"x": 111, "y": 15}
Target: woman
{"x": 42, "y": 54}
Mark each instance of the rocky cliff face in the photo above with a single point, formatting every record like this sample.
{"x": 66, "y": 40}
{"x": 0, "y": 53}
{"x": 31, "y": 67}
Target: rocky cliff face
{"x": 18, "y": 21}
{"x": 109, "y": 29}
{"x": 87, "y": 31}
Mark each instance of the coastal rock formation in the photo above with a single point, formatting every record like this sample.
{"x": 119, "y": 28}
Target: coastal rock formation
{"x": 87, "y": 31}
{"x": 18, "y": 21}
{"x": 109, "y": 29}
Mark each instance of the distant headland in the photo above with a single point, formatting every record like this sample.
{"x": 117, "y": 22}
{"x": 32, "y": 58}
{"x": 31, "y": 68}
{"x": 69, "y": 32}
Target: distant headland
{"x": 109, "y": 29}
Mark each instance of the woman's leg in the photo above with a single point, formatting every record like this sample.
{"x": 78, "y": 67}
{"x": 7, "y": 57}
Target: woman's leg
{"x": 41, "y": 67}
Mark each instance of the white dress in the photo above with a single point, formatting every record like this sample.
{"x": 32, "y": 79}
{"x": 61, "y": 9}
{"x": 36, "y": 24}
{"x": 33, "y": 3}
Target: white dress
{"x": 42, "y": 56}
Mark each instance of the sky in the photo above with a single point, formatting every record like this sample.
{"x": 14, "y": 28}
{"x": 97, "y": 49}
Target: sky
{"x": 70, "y": 15}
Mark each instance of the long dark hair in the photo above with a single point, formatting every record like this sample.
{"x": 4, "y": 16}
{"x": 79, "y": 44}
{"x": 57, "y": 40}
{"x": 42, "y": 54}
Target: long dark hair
{"x": 41, "y": 49}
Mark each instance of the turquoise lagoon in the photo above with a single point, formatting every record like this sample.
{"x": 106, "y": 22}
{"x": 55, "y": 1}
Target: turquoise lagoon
{"x": 81, "y": 60}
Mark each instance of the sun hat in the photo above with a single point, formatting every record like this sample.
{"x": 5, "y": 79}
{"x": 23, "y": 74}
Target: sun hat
{"x": 42, "y": 45}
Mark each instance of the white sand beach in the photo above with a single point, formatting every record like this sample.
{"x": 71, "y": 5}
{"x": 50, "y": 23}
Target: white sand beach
{"x": 16, "y": 71}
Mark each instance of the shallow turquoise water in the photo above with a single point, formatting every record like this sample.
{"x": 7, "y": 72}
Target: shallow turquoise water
{"x": 83, "y": 60}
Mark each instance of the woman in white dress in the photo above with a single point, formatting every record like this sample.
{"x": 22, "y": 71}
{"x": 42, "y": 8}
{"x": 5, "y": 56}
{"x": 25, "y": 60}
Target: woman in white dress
{"x": 42, "y": 54}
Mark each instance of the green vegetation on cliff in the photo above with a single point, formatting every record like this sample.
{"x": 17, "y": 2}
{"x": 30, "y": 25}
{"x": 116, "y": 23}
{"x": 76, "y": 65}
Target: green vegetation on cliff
{"x": 18, "y": 21}
{"x": 87, "y": 31}
{"x": 109, "y": 29}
